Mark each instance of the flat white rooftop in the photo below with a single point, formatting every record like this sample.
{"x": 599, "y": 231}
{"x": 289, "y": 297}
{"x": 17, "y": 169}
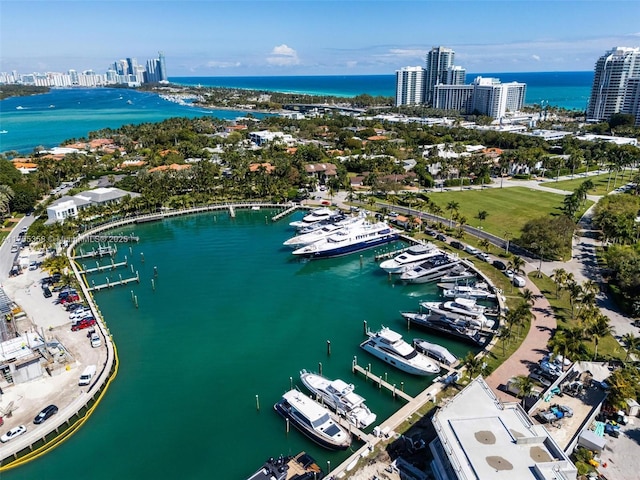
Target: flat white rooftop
{"x": 482, "y": 438}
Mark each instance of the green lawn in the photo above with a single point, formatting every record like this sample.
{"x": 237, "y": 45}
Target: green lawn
{"x": 508, "y": 209}
{"x": 600, "y": 182}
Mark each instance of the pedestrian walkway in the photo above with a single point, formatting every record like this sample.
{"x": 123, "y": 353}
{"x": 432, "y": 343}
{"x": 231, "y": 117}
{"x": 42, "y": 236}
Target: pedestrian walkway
{"x": 533, "y": 347}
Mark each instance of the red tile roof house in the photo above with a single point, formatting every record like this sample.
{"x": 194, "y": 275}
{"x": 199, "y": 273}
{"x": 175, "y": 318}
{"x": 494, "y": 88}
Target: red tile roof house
{"x": 321, "y": 171}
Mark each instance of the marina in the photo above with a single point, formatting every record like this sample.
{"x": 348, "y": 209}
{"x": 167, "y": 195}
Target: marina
{"x": 214, "y": 238}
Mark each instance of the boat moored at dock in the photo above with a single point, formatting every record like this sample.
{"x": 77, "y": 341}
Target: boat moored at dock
{"x": 324, "y": 231}
{"x": 316, "y": 215}
{"x": 287, "y": 467}
{"x": 465, "y": 308}
{"x": 313, "y": 420}
{"x": 479, "y": 290}
{"x": 389, "y": 347}
{"x": 450, "y": 325}
{"x": 361, "y": 237}
{"x": 430, "y": 270}
{"x": 435, "y": 351}
{"x": 339, "y": 396}
{"x": 411, "y": 257}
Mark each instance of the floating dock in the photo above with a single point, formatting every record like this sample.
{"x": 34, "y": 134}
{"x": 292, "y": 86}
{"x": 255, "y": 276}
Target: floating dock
{"x": 381, "y": 383}
{"x": 284, "y": 213}
{"x": 109, "y": 284}
{"x": 107, "y": 251}
{"x": 101, "y": 268}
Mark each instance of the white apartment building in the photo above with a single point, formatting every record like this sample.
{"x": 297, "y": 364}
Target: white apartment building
{"x": 612, "y": 74}
{"x": 487, "y": 96}
{"x": 410, "y": 86}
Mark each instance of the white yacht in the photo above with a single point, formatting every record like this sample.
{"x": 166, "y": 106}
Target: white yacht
{"x": 457, "y": 274}
{"x": 411, "y": 257}
{"x": 360, "y": 237}
{"x": 314, "y": 216}
{"x": 479, "y": 290}
{"x": 319, "y": 233}
{"x": 436, "y": 351}
{"x": 466, "y": 308}
{"x": 432, "y": 269}
{"x": 313, "y": 420}
{"x": 389, "y": 346}
{"x": 339, "y": 396}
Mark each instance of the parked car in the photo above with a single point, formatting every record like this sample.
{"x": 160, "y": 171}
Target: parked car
{"x": 14, "y": 248}
{"x": 33, "y": 265}
{"x": 458, "y": 245}
{"x": 80, "y": 313}
{"x": 14, "y": 432}
{"x": 499, "y": 265}
{"x": 433, "y": 233}
{"x": 45, "y": 413}
{"x": 545, "y": 382}
{"x": 95, "y": 340}
{"x": 518, "y": 281}
{"x": 472, "y": 250}
{"x": 441, "y": 237}
{"x": 71, "y": 307}
{"x": 46, "y": 292}
{"x": 83, "y": 323}
{"x": 510, "y": 274}
{"x": 68, "y": 299}
{"x": 483, "y": 256}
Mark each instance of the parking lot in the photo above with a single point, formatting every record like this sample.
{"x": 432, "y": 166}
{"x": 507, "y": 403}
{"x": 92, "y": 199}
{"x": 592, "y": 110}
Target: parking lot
{"x": 59, "y": 384}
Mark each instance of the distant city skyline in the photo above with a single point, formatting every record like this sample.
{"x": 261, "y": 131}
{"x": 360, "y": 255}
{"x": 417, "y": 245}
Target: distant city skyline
{"x": 313, "y": 37}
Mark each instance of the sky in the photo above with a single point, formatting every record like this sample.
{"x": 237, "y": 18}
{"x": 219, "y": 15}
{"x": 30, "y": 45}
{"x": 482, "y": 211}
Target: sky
{"x": 312, "y": 37}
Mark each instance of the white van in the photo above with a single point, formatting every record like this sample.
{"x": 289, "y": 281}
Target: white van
{"x": 87, "y": 375}
{"x": 471, "y": 250}
{"x": 519, "y": 281}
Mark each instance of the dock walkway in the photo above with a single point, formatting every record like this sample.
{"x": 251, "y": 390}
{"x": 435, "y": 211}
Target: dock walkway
{"x": 381, "y": 383}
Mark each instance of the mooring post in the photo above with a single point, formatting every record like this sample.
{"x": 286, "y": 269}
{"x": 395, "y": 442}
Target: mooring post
{"x": 153, "y": 284}
{"x": 320, "y": 368}
{"x": 329, "y": 348}
{"x": 257, "y": 403}
{"x": 135, "y": 299}
{"x": 365, "y": 327}
{"x": 142, "y": 257}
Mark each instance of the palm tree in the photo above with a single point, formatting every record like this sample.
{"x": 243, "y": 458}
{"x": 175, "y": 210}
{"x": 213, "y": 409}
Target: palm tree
{"x": 524, "y": 385}
{"x": 517, "y": 265}
{"x": 504, "y": 334}
{"x": 482, "y": 215}
{"x": 528, "y": 296}
{"x": 473, "y": 365}
{"x": 559, "y": 276}
{"x": 507, "y": 235}
{"x": 575, "y": 292}
{"x": 486, "y": 244}
{"x": 452, "y": 207}
{"x": 632, "y": 342}
{"x": 6, "y": 195}
{"x": 598, "y": 329}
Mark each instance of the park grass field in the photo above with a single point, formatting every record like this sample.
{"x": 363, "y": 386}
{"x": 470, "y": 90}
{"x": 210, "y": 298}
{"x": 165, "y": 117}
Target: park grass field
{"x": 600, "y": 182}
{"x": 508, "y": 209}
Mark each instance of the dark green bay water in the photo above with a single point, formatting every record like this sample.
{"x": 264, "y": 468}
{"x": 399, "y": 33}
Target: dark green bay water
{"x": 233, "y": 315}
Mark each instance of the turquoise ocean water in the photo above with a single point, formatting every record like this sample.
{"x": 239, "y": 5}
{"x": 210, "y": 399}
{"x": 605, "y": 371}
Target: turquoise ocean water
{"x": 233, "y": 315}
{"x": 49, "y": 119}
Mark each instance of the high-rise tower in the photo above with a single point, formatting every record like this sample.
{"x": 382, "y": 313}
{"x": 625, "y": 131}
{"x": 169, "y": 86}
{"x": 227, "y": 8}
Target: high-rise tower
{"x": 610, "y": 82}
{"x": 439, "y": 61}
{"x": 161, "y": 69}
{"x": 410, "y": 86}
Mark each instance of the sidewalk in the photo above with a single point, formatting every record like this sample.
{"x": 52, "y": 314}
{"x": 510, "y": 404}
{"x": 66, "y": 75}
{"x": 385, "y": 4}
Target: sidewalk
{"x": 532, "y": 349}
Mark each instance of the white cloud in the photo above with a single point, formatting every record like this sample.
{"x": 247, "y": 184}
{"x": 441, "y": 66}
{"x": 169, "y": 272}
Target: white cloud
{"x": 536, "y": 57}
{"x": 283, "y": 55}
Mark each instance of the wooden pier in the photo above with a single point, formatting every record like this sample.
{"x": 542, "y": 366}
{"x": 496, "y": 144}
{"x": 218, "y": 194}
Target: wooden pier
{"x": 101, "y": 268}
{"x": 107, "y": 251}
{"x": 381, "y": 383}
{"x": 108, "y": 284}
{"x": 284, "y": 213}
